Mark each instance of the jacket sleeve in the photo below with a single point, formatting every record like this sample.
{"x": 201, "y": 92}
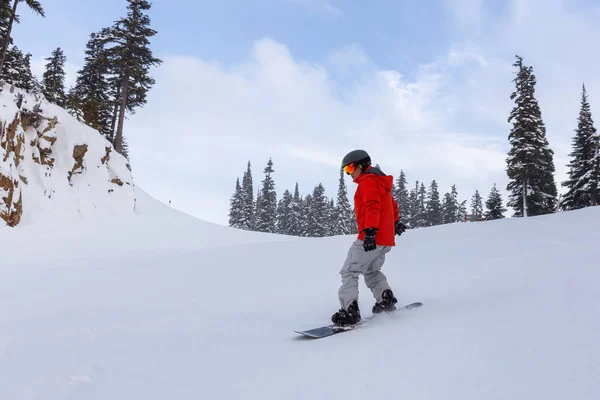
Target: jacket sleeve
{"x": 396, "y": 210}
{"x": 372, "y": 203}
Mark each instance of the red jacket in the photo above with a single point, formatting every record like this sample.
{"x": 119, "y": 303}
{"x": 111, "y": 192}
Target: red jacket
{"x": 375, "y": 206}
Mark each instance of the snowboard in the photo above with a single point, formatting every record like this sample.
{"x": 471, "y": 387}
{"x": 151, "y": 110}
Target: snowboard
{"x": 328, "y": 330}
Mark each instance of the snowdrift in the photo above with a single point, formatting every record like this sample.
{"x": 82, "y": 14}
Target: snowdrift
{"x": 54, "y": 167}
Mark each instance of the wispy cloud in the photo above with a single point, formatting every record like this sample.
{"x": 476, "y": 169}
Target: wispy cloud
{"x": 320, "y": 5}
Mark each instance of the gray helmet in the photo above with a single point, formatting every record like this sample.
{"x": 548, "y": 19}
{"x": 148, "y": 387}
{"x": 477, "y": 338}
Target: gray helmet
{"x": 360, "y": 157}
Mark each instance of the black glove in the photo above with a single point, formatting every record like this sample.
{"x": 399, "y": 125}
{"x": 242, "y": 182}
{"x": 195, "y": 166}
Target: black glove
{"x": 369, "y": 239}
{"x": 399, "y": 227}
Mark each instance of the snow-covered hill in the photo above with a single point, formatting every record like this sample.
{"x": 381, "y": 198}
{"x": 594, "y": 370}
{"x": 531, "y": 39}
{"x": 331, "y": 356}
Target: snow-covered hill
{"x": 53, "y": 167}
{"x": 163, "y": 306}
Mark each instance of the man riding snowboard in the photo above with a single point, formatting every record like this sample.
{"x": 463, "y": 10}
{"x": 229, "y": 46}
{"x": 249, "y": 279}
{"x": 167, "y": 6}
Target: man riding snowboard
{"x": 378, "y": 220}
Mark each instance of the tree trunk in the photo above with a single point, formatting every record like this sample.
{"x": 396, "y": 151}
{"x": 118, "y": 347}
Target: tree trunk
{"x": 7, "y": 39}
{"x": 525, "y": 181}
{"x": 119, "y": 135}
{"x": 113, "y": 121}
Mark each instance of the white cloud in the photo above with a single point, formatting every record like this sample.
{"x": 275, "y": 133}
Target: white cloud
{"x": 208, "y": 121}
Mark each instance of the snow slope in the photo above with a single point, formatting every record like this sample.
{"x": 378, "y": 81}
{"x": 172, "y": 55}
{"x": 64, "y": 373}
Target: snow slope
{"x": 158, "y": 305}
{"x": 54, "y": 167}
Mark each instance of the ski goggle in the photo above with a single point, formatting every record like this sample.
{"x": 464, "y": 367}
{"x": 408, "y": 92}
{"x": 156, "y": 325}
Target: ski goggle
{"x": 350, "y": 168}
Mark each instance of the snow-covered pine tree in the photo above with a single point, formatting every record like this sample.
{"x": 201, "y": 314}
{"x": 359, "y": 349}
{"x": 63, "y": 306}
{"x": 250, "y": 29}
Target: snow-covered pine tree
{"x": 17, "y": 69}
{"x": 530, "y": 165}
{"x": 318, "y": 214}
{"x": 8, "y": 14}
{"x": 413, "y": 206}
{"x": 5, "y": 14}
{"x": 434, "y": 205}
{"x": 477, "y": 205}
{"x": 448, "y": 209}
{"x": 266, "y": 207}
{"x": 494, "y": 205}
{"x": 247, "y": 214}
{"x": 26, "y": 80}
{"x": 236, "y": 206}
{"x": 344, "y": 215}
{"x": 421, "y": 218}
{"x": 331, "y": 218}
{"x": 54, "y": 78}
{"x": 401, "y": 196}
{"x": 283, "y": 213}
{"x": 461, "y": 211}
{"x": 130, "y": 60}
{"x": 12, "y": 61}
{"x": 89, "y": 98}
{"x": 581, "y": 185}
{"x": 307, "y": 217}
{"x": 295, "y": 227}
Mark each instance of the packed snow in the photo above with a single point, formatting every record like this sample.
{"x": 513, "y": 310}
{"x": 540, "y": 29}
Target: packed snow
{"x": 159, "y": 305}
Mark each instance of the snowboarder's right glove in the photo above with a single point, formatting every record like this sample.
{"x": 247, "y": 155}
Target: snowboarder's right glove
{"x": 369, "y": 239}
{"x": 399, "y": 227}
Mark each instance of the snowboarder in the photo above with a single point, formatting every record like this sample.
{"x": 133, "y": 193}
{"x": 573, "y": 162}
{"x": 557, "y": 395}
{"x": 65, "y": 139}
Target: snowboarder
{"x": 378, "y": 221}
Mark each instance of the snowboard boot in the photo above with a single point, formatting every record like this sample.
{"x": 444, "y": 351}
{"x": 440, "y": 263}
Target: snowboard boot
{"x": 347, "y": 317}
{"x": 387, "y": 303}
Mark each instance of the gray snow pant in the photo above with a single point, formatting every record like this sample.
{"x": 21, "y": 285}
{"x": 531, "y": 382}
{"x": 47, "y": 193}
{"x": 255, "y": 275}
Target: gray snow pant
{"x": 367, "y": 263}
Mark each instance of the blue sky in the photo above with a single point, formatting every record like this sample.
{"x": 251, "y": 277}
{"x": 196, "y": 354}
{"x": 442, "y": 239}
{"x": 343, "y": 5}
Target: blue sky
{"x": 423, "y": 85}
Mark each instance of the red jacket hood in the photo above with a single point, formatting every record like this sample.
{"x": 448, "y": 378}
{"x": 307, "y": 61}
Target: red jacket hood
{"x": 387, "y": 181}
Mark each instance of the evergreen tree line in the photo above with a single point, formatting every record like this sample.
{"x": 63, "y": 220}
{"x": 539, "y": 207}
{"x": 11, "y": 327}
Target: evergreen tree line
{"x": 316, "y": 215}
{"x": 113, "y": 81}
{"x": 530, "y": 169}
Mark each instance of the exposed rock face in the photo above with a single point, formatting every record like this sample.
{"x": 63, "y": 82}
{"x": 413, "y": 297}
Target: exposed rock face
{"x": 78, "y": 154}
{"x": 11, "y": 155}
{"x": 50, "y": 162}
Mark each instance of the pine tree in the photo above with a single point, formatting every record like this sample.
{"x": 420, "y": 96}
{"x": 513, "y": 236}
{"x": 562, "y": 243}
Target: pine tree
{"x": 448, "y": 213}
{"x": 494, "y": 205}
{"x": 5, "y": 16}
{"x": 54, "y": 78}
{"x": 413, "y": 206}
{"x": 530, "y": 165}
{"x": 236, "y": 206}
{"x": 581, "y": 184}
{"x": 331, "y": 218}
{"x": 450, "y": 208}
{"x": 6, "y": 29}
{"x": 131, "y": 60}
{"x": 477, "y": 205}
{"x": 401, "y": 196}
{"x": 421, "y": 218}
{"x": 89, "y": 98}
{"x": 266, "y": 207}
{"x": 307, "y": 217}
{"x": 461, "y": 211}
{"x": 26, "y": 80}
{"x": 344, "y": 220}
{"x": 17, "y": 69}
{"x": 247, "y": 214}
{"x": 284, "y": 208}
{"x": 434, "y": 205}
{"x": 295, "y": 227}
{"x": 317, "y": 213}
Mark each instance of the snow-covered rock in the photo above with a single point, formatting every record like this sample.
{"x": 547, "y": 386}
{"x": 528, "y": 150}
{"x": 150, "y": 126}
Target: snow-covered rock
{"x": 53, "y": 166}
